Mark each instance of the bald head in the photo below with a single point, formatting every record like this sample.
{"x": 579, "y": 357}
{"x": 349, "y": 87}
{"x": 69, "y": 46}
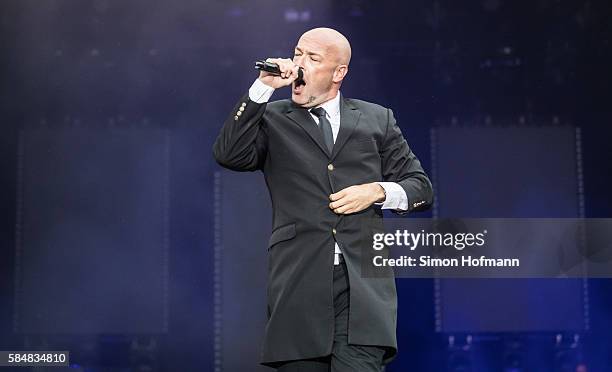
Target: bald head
{"x": 337, "y": 46}
{"x": 324, "y": 55}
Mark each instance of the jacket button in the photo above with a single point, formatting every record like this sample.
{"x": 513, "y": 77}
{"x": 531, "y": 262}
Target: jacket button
{"x": 243, "y": 104}
{"x": 235, "y": 117}
{"x": 334, "y": 231}
{"x": 330, "y": 167}
{"x": 239, "y": 113}
{"x": 241, "y": 108}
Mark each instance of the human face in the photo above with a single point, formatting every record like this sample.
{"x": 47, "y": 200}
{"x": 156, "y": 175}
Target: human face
{"x": 318, "y": 63}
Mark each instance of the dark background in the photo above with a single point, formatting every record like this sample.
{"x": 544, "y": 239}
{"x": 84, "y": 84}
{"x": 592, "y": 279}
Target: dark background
{"x": 180, "y": 66}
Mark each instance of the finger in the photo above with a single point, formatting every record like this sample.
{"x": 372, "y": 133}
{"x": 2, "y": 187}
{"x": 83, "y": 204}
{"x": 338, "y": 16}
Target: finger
{"x": 295, "y": 71}
{"x": 290, "y": 70}
{"x": 289, "y": 73}
{"x": 343, "y": 202}
{"x": 273, "y": 60}
{"x": 338, "y": 195}
{"x": 339, "y": 203}
{"x": 353, "y": 206}
{"x": 285, "y": 67}
{"x": 280, "y": 63}
{"x": 344, "y": 209}
{"x": 281, "y": 68}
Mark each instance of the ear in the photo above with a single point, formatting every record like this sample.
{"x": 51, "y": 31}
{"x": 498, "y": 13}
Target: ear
{"x": 339, "y": 73}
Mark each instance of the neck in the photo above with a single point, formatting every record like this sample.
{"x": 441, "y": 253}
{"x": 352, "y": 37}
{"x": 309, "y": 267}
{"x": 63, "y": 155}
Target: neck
{"x": 330, "y": 95}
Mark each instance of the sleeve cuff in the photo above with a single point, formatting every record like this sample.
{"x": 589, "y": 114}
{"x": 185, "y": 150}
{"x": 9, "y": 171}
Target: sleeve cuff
{"x": 396, "y": 198}
{"x": 260, "y": 92}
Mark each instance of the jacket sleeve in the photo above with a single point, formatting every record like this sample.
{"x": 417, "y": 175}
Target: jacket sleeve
{"x": 400, "y": 165}
{"x": 242, "y": 144}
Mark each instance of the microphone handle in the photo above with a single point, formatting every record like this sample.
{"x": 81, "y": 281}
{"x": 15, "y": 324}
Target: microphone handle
{"x": 273, "y": 68}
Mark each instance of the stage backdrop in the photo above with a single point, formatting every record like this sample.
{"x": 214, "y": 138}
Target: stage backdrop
{"x": 243, "y": 222}
{"x": 92, "y": 232}
{"x": 508, "y": 172}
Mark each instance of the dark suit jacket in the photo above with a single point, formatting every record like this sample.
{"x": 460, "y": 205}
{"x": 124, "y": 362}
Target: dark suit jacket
{"x": 283, "y": 141}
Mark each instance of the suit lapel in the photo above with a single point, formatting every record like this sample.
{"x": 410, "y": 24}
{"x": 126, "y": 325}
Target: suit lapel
{"x": 349, "y": 118}
{"x": 302, "y": 117}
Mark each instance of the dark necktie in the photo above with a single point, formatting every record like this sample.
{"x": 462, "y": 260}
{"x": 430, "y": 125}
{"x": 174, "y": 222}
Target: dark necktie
{"x": 325, "y": 127}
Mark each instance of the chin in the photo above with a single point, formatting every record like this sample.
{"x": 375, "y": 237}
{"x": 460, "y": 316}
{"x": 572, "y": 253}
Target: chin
{"x": 299, "y": 99}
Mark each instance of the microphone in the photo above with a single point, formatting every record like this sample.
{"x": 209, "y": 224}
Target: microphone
{"x": 274, "y": 70}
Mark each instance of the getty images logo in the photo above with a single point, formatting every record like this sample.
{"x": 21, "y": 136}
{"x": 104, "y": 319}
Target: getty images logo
{"x": 412, "y": 240}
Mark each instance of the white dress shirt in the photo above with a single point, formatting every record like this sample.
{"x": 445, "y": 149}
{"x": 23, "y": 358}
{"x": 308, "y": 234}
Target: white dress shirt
{"x": 395, "y": 195}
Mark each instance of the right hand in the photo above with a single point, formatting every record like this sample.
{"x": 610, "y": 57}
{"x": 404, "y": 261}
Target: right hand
{"x": 289, "y": 73}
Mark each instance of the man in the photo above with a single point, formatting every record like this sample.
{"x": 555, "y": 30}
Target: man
{"x": 330, "y": 163}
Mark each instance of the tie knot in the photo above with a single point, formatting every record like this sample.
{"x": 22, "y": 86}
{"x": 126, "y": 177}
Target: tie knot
{"x": 319, "y": 111}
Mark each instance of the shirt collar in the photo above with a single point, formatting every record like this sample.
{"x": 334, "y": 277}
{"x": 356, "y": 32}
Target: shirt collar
{"x": 332, "y": 107}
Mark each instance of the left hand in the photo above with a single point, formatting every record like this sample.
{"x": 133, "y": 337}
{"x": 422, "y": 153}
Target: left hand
{"x": 356, "y": 198}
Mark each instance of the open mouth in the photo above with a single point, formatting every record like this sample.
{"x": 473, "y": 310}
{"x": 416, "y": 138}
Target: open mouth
{"x": 299, "y": 82}
{"x": 298, "y": 85}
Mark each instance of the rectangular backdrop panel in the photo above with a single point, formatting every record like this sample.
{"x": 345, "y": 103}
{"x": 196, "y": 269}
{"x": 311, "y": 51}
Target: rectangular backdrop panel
{"x": 92, "y": 231}
{"x": 243, "y": 219}
{"x": 508, "y": 172}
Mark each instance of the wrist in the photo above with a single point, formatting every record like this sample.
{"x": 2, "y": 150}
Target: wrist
{"x": 379, "y": 193}
{"x": 265, "y": 81}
